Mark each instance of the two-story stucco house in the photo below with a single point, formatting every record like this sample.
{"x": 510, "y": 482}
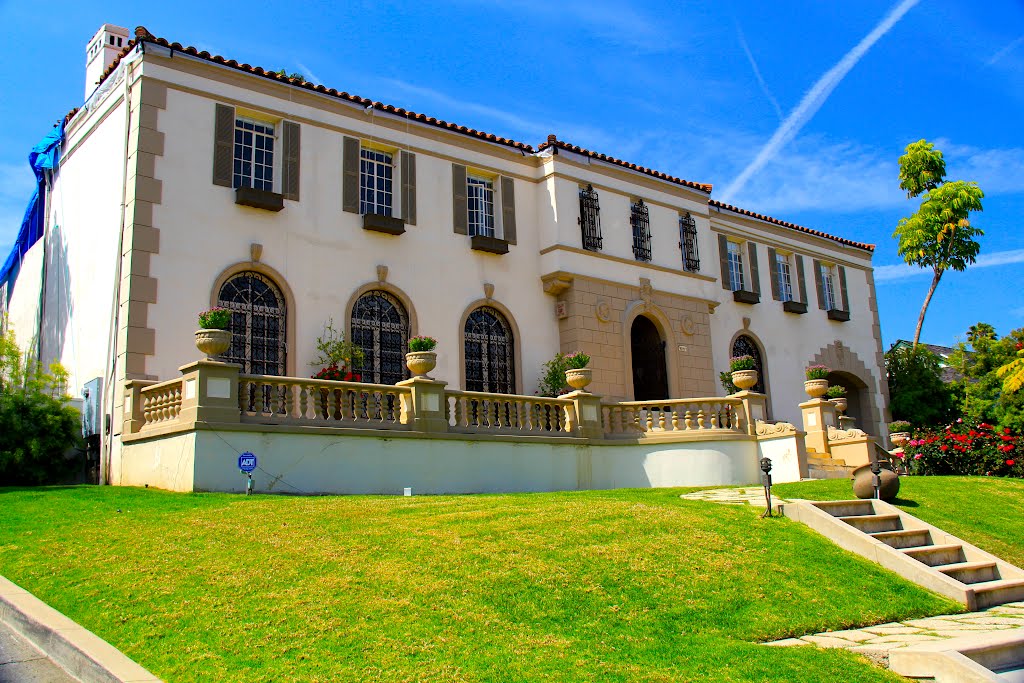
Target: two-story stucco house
{"x": 187, "y": 180}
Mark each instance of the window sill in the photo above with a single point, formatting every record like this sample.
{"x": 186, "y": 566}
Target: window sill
{"x": 259, "y": 199}
{"x": 491, "y": 245}
{"x": 794, "y": 307}
{"x": 386, "y": 224}
{"x": 744, "y": 297}
{"x": 836, "y": 314}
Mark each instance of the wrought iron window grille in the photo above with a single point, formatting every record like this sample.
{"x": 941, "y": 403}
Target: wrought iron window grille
{"x": 380, "y": 327}
{"x": 590, "y": 219}
{"x": 688, "y": 242}
{"x": 640, "y": 219}
{"x": 745, "y": 346}
{"x": 489, "y": 345}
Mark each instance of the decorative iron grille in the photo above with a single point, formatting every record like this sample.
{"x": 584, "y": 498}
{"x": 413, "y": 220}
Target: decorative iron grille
{"x": 590, "y": 218}
{"x": 258, "y": 323}
{"x": 489, "y": 349}
{"x": 688, "y": 242}
{"x": 745, "y": 346}
{"x": 640, "y": 219}
{"x": 380, "y": 327}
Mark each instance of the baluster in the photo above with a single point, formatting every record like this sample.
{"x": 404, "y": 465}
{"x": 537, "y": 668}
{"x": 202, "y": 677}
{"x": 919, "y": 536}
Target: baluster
{"x": 661, "y": 418}
{"x": 738, "y": 418}
{"x": 650, "y": 419}
{"x": 303, "y": 401}
{"x": 700, "y": 416}
{"x": 675, "y": 418}
{"x": 688, "y": 419}
{"x": 714, "y": 415}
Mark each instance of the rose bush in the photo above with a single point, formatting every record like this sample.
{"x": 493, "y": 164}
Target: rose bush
{"x": 966, "y": 448}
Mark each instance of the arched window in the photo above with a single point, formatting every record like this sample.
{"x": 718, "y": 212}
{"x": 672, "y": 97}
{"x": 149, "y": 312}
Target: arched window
{"x": 380, "y": 327}
{"x": 745, "y": 346}
{"x": 489, "y": 349}
{"x": 258, "y": 316}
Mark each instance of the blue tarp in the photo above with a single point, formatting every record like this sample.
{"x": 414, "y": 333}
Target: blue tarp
{"x": 44, "y": 157}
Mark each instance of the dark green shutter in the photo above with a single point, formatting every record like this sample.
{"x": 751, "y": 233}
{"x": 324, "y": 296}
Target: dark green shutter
{"x": 290, "y": 161}
{"x": 773, "y": 273}
{"x": 508, "y": 209}
{"x": 819, "y": 286}
{"x": 801, "y": 279}
{"x": 409, "y": 187}
{"x": 460, "y": 205}
{"x": 350, "y": 175}
{"x": 224, "y": 145}
{"x": 755, "y": 278}
{"x": 842, "y": 288}
{"x": 723, "y": 257}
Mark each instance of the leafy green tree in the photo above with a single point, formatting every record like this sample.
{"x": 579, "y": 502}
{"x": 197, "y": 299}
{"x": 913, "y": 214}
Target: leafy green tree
{"x": 37, "y": 426}
{"x": 939, "y": 235}
{"x": 985, "y": 398}
{"x": 917, "y": 393}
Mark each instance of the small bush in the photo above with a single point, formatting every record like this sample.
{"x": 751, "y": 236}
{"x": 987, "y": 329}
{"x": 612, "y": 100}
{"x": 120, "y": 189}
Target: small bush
{"x": 552, "y": 379}
{"x": 836, "y": 391}
{"x": 215, "y": 319}
{"x": 968, "y": 449}
{"x": 817, "y": 371}
{"x": 725, "y": 378}
{"x": 899, "y": 426}
{"x": 576, "y": 360}
{"x": 741, "y": 363}
{"x": 422, "y": 343}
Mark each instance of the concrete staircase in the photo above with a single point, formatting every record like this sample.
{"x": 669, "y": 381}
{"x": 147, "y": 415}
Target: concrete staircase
{"x": 917, "y": 551}
{"x": 821, "y": 466}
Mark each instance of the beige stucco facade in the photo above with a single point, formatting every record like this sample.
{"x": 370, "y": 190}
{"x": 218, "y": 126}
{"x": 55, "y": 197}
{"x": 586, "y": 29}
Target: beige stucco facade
{"x": 135, "y": 279}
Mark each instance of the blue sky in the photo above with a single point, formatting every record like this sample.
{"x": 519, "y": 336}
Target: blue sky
{"x": 795, "y": 109}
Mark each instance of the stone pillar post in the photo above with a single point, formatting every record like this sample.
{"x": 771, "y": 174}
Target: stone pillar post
{"x": 210, "y": 392}
{"x": 818, "y": 416}
{"x": 132, "y": 416}
{"x": 755, "y": 407}
{"x": 425, "y": 411}
{"x": 589, "y": 423}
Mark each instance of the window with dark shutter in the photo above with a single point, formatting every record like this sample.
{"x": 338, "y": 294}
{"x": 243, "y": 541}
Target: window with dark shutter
{"x": 508, "y": 209}
{"x": 290, "y": 165}
{"x": 640, "y": 219}
{"x": 223, "y": 145}
{"x": 409, "y": 187}
{"x": 688, "y": 242}
{"x": 590, "y": 218}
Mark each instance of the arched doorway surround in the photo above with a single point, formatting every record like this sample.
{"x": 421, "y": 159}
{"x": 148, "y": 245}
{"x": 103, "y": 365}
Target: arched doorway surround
{"x": 841, "y": 359}
{"x": 650, "y": 371}
{"x": 663, "y": 325}
{"x": 857, "y": 397}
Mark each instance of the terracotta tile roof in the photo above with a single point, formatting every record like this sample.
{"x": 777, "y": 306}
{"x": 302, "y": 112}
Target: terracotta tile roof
{"x": 787, "y": 224}
{"x": 141, "y": 34}
{"x": 554, "y": 142}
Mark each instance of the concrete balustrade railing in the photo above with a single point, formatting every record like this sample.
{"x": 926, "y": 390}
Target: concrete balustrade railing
{"x": 289, "y": 400}
{"x": 473, "y": 411}
{"x": 161, "y": 402}
{"x": 630, "y": 418}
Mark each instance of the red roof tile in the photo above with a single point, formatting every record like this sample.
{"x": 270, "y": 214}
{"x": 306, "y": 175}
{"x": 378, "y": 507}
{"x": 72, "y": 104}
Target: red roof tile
{"x": 787, "y": 224}
{"x": 555, "y": 143}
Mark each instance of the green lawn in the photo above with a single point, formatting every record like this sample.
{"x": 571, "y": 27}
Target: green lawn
{"x": 588, "y": 586}
{"x": 985, "y": 511}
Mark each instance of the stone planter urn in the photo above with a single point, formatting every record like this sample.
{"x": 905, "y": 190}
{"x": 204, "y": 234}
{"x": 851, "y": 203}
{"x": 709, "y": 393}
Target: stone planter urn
{"x": 421, "y": 362}
{"x": 899, "y": 438}
{"x": 213, "y": 342}
{"x": 839, "y": 403}
{"x": 579, "y": 378}
{"x": 816, "y": 388}
{"x": 744, "y": 379}
{"x": 889, "y": 483}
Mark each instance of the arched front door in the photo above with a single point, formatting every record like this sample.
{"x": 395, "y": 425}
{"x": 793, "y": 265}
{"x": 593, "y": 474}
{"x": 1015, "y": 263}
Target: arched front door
{"x": 380, "y": 327}
{"x": 258, "y": 317}
{"x": 650, "y": 379}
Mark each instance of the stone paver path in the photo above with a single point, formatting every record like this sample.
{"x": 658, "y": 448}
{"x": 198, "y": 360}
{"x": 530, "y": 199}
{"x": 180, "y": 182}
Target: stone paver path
{"x": 754, "y": 495}
{"x": 875, "y": 642}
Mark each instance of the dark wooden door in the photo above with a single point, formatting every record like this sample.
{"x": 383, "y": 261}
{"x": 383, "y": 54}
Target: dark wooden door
{"x": 650, "y": 379}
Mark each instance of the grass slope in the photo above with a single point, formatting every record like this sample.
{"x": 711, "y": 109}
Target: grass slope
{"x": 985, "y": 511}
{"x": 583, "y": 586}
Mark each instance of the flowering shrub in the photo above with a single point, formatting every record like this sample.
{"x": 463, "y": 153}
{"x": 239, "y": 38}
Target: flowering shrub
{"x": 422, "y": 343}
{"x": 576, "y": 360}
{"x": 817, "y": 371}
{"x": 335, "y": 374}
{"x": 741, "y": 363}
{"x": 899, "y": 426}
{"x": 965, "y": 448}
{"x": 215, "y": 319}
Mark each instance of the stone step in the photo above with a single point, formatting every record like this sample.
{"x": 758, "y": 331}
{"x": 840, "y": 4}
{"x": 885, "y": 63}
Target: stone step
{"x": 823, "y": 460}
{"x": 971, "y": 572}
{"x": 837, "y": 473}
{"x": 904, "y": 538}
{"x": 846, "y": 508}
{"x": 937, "y": 555}
{"x": 874, "y": 523}
{"x": 998, "y": 592}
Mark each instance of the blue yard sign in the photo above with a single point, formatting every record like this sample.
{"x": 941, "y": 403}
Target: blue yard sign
{"x": 247, "y": 462}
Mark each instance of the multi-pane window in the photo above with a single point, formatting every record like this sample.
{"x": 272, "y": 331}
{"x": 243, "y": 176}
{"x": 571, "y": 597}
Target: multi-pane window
{"x": 480, "y": 199}
{"x": 640, "y": 219}
{"x": 590, "y": 218}
{"x": 376, "y": 182}
{"x": 688, "y": 242}
{"x": 785, "y": 276}
{"x": 828, "y": 292}
{"x": 735, "y": 258}
{"x": 254, "y": 155}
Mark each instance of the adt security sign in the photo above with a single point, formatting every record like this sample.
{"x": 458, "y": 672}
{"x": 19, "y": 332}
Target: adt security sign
{"x": 247, "y": 462}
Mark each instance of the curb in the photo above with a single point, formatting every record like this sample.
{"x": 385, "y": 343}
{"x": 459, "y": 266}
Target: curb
{"x": 79, "y": 651}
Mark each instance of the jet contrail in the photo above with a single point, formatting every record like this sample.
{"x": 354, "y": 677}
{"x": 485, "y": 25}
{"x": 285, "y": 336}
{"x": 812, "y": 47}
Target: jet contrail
{"x": 815, "y": 97}
{"x": 757, "y": 73}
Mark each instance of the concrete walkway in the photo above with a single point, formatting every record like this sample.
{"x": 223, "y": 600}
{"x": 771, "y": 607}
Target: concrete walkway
{"x": 21, "y": 662}
{"x": 752, "y": 495}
